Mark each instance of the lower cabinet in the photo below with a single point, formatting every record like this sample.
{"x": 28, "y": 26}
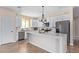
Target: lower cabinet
{"x": 50, "y": 43}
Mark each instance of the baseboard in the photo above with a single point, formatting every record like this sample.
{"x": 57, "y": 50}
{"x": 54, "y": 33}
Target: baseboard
{"x": 8, "y": 43}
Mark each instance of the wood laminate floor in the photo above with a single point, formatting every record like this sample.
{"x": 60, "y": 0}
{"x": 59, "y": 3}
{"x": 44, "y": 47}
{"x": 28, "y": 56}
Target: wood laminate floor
{"x": 20, "y": 47}
{"x": 24, "y": 47}
{"x": 74, "y": 48}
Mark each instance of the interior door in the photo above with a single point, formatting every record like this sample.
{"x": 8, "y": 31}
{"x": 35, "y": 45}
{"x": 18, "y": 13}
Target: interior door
{"x": 8, "y": 29}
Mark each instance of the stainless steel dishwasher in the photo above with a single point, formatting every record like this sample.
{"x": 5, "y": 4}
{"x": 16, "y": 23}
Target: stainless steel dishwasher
{"x": 21, "y": 36}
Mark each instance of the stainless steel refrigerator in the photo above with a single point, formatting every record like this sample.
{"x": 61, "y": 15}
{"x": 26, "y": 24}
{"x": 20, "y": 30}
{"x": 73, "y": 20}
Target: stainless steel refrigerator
{"x": 64, "y": 27}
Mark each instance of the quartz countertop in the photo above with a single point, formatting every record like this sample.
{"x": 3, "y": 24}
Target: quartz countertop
{"x": 50, "y": 33}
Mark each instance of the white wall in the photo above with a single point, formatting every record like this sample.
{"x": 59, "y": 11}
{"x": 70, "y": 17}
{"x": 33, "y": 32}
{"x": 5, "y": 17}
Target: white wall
{"x": 6, "y": 12}
{"x": 76, "y": 23}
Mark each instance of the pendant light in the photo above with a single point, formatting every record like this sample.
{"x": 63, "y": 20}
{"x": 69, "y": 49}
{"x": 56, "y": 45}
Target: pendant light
{"x": 43, "y": 17}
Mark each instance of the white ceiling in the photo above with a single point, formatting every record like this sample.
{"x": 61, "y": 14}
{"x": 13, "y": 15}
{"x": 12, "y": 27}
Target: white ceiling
{"x": 35, "y": 11}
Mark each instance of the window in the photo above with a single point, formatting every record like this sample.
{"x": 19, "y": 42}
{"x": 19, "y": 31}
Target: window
{"x": 26, "y": 22}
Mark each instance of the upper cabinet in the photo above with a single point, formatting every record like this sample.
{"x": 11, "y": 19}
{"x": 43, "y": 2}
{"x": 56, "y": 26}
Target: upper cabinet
{"x": 51, "y": 20}
{"x": 18, "y": 21}
{"x": 34, "y": 23}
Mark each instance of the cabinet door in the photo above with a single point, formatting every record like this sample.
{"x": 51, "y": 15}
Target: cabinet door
{"x": 8, "y": 29}
{"x": 52, "y": 22}
{"x": 18, "y": 21}
{"x": 34, "y": 23}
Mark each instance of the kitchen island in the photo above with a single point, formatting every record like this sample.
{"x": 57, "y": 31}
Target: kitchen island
{"x": 49, "y": 41}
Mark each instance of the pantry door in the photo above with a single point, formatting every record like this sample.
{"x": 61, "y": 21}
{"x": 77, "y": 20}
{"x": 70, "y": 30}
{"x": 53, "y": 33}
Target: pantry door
{"x": 8, "y": 29}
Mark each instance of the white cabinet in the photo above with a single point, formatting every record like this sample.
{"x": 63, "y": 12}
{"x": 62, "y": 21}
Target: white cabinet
{"x": 34, "y": 23}
{"x": 53, "y": 20}
{"x": 7, "y": 29}
{"x": 18, "y": 21}
{"x": 51, "y": 42}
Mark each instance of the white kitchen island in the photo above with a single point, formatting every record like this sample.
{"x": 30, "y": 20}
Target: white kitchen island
{"x": 51, "y": 42}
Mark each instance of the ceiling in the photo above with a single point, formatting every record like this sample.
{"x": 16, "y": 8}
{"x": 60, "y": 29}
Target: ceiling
{"x": 36, "y": 11}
